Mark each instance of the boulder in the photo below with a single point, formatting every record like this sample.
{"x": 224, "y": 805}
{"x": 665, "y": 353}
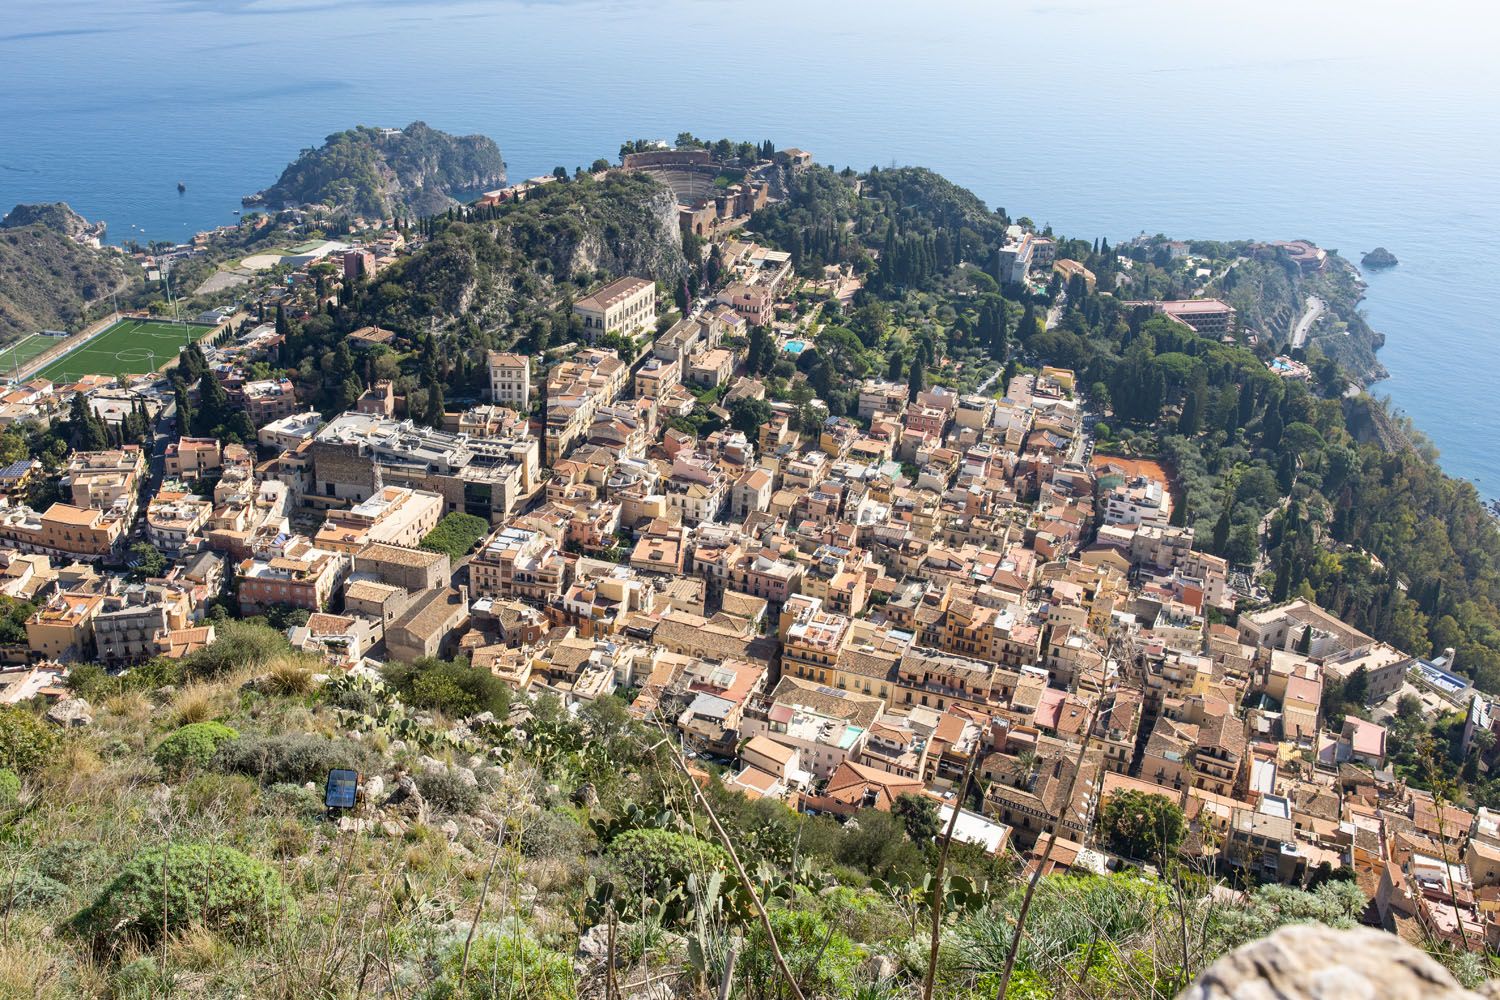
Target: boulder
{"x": 392, "y": 829}
{"x": 593, "y": 945}
{"x": 70, "y": 713}
{"x": 374, "y": 788}
{"x": 1313, "y": 962}
{"x": 406, "y": 802}
{"x": 449, "y": 829}
{"x": 882, "y": 968}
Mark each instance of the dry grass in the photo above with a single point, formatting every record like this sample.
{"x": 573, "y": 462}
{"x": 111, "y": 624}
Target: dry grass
{"x": 131, "y": 707}
{"x": 550, "y": 874}
{"x": 198, "y": 950}
{"x": 288, "y": 676}
{"x": 28, "y": 969}
{"x": 200, "y": 701}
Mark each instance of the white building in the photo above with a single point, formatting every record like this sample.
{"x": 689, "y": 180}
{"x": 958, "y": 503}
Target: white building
{"x": 627, "y": 307}
{"x": 1137, "y": 501}
{"x": 510, "y": 380}
{"x": 290, "y": 431}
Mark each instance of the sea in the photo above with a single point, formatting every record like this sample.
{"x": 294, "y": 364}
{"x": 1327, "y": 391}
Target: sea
{"x": 1346, "y": 122}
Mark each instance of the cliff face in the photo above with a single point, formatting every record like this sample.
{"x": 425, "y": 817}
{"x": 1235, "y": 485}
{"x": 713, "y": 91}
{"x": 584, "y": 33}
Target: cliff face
{"x": 652, "y": 246}
{"x": 378, "y": 172}
{"x": 558, "y": 240}
{"x": 48, "y": 278}
{"x": 1271, "y": 295}
{"x": 57, "y": 216}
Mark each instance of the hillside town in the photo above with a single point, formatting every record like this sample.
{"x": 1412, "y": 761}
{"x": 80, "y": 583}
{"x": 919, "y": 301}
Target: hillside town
{"x": 955, "y": 592}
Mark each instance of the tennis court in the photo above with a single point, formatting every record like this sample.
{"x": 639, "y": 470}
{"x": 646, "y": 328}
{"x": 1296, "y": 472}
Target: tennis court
{"x": 16, "y": 355}
{"x": 130, "y": 347}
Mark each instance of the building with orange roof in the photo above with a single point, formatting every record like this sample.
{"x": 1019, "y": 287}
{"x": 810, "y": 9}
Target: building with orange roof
{"x": 855, "y": 787}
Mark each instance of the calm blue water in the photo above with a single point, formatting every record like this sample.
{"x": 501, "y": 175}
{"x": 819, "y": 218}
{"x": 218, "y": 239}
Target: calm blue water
{"x": 1349, "y": 123}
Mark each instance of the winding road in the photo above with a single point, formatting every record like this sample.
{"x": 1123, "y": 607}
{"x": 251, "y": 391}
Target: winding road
{"x": 1309, "y": 316}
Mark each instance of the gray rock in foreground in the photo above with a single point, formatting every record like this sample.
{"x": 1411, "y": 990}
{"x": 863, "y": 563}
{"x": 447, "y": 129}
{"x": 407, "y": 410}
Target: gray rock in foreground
{"x": 1312, "y": 962}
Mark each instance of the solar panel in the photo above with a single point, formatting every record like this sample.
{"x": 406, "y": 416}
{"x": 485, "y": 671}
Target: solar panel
{"x": 342, "y": 789}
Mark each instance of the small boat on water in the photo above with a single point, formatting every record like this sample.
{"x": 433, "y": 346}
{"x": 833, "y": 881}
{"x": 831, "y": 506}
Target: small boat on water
{"x": 181, "y": 187}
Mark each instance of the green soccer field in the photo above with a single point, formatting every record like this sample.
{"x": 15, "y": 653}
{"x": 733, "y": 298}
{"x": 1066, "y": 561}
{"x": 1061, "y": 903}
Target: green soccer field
{"x": 130, "y": 347}
{"x": 17, "y": 354}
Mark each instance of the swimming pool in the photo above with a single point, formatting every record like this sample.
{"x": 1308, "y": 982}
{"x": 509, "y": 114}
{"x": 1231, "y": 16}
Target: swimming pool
{"x": 795, "y": 347}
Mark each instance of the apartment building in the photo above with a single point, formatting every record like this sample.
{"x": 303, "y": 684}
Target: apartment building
{"x": 359, "y": 454}
{"x": 175, "y": 520}
{"x": 518, "y": 562}
{"x": 63, "y": 530}
{"x": 395, "y": 516}
{"x": 194, "y": 458}
{"x": 99, "y": 479}
{"x": 295, "y": 573}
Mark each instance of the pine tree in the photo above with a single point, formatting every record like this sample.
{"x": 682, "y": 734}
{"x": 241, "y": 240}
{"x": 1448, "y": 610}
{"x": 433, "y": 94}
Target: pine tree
{"x": 435, "y": 405}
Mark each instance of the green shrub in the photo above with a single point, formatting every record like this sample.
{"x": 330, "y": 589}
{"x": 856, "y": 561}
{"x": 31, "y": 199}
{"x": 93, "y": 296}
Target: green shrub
{"x": 10, "y": 785}
{"x": 823, "y": 959}
{"x": 506, "y": 964}
{"x": 553, "y": 834}
{"x": 445, "y": 791}
{"x": 236, "y": 644}
{"x": 295, "y": 801}
{"x": 456, "y": 534}
{"x": 26, "y": 742}
{"x": 451, "y": 687}
{"x": 207, "y": 885}
{"x": 33, "y": 889}
{"x": 291, "y": 757}
{"x": 74, "y": 862}
{"x": 192, "y": 747}
{"x": 231, "y": 796}
{"x": 656, "y": 861}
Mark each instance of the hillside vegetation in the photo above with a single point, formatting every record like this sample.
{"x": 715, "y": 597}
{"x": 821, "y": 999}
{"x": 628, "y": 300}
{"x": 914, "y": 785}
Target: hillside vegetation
{"x": 178, "y": 847}
{"x": 48, "y": 280}
{"x": 500, "y": 272}
{"x": 380, "y": 173}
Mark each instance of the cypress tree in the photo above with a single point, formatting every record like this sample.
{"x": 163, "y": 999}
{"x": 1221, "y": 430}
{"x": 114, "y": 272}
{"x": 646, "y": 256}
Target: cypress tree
{"x": 916, "y": 380}
{"x": 1221, "y": 528}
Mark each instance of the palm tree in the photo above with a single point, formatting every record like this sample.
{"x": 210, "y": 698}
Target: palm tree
{"x": 1028, "y": 762}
